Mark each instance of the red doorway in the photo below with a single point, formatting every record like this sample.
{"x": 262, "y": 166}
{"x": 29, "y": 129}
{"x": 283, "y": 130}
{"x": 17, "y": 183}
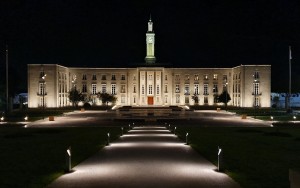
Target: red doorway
{"x": 150, "y": 100}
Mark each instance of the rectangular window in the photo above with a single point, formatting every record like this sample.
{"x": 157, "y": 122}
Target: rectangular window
{"x": 205, "y": 100}
{"x": 215, "y": 77}
{"x": 143, "y": 89}
{"x": 134, "y": 78}
{"x": 177, "y": 78}
{"x": 255, "y": 88}
{"x": 103, "y": 88}
{"x": 196, "y": 78}
{"x": 256, "y": 101}
{"x": 224, "y": 78}
{"x": 205, "y": 89}
{"x": 187, "y": 100}
{"x": 123, "y": 89}
{"x": 177, "y": 88}
{"x": 122, "y": 99}
{"x": 215, "y": 88}
{"x": 256, "y": 75}
{"x": 177, "y": 98}
{"x": 103, "y": 77}
{"x": 186, "y": 89}
{"x": 157, "y": 89}
{"x": 94, "y": 89}
{"x": 113, "y": 89}
{"x": 84, "y": 77}
{"x": 84, "y": 88}
{"x": 166, "y": 77}
{"x": 42, "y": 88}
{"x": 150, "y": 77}
{"x": 94, "y": 77}
{"x": 166, "y": 88}
{"x": 196, "y": 89}
{"x": 187, "y": 77}
{"x": 134, "y": 88}
{"x": 150, "y": 90}
{"x": 113, "y": 77}
{"x": 122, "y": 77}
{"x": 166, "y": 99}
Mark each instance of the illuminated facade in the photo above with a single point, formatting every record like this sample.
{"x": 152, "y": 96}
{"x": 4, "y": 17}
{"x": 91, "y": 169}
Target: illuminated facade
{"x": 150, "y": 85}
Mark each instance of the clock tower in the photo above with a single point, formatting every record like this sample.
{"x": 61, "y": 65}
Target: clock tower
{"x": 150, "y": 41}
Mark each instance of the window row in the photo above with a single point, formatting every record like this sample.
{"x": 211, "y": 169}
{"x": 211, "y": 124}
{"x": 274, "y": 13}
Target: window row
{"x": 104, "y": 77}
{"x": 196, "y": 89}
{"x": 196, "y": 77}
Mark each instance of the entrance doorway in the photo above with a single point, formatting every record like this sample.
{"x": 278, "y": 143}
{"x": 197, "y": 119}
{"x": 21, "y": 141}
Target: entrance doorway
{"x": 150, "y": 100}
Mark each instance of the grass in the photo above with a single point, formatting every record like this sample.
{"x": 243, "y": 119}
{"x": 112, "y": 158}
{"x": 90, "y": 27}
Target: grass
{"x": 254, "y": 157}
{"x": 34, "y": 157}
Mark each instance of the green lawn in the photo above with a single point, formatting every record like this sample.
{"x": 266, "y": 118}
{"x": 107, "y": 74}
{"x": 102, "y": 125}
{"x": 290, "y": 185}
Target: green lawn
{"x": 254, "y": 157}
{"x": 33, "y": 157}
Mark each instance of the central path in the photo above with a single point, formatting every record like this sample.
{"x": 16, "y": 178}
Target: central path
{"x": 145, "y": 157}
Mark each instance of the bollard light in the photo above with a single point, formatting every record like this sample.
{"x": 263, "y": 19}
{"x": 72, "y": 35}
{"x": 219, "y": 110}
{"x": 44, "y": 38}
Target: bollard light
{"x": 122, "y": 131}
{"x": 108, "y": 138}
{"x": 129, "y": 126}
{"x": 169, "y": 127}
{"x": 26, "y": 118}
{"x": 219, "y": 154}
{"x": 174, "y": 130}
{"x": 294, "y": 117}
{"x": 2, "y": 118}
{"x": 68, "y": 159}
{"x": 186, "y": 138}
{"x": 272, "y": 118}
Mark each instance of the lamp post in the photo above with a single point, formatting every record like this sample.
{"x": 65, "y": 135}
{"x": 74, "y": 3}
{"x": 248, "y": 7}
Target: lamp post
{"x": 129, "y": 126}
{"x": 122, "y": 131}
{"x": 219, "y": 155}
{"x": 169, "y": 127}
{"x": 186, "y": 138}
{"x": 174, "y": 130}
{"x": 43, "y": 94}
{"x": 108, "y": 135}
{"x": 226, "y": 95}
{"x": 68, "y": 159}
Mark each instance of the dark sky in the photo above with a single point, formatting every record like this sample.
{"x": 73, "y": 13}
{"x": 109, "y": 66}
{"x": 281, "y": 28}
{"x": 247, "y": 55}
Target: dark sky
{"x": 189, "y": 33}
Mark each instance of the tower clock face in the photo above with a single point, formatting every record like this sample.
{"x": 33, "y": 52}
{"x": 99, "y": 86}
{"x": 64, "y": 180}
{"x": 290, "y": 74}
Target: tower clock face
{"x": 150, "y": 39}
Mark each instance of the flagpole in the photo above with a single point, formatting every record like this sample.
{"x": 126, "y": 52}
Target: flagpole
{"x": 7, "y": 97}
{"x": 290, "y": 78}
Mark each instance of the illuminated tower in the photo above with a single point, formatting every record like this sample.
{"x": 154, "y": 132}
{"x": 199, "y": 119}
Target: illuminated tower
{"x": 150, "y": 43}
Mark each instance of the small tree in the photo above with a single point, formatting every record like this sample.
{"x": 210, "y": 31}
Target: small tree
{"x": 75, "y": 97}
{"x": 224, "y": 97}
{"x": 196, "y": 99}
{"x": 106, "y": 98}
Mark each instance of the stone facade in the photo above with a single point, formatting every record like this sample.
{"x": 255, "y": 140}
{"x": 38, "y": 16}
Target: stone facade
{"x": 150, "y": 85}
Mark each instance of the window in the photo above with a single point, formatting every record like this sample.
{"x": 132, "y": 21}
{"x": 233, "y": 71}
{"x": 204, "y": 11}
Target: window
{"x": 177, "y": 78}
{"x": 103, "y": 77}
{"x": 224, "y": 78}
{"x": 205, "y": 89}
{"x": 42, "y": 88}
{"x": 143, "y": 89}
{"x": 134, "y": 78}
{"x": 84, "y": 88}
{"x": 113, "y": 77}
{"x": 177, "y": 98}
{"x": 177, "y": 88}
{"x": 166, "y": 99}
{"x": 113, "y": 89}
{"x": 103, "y": 88}
{"x": 84, "y": 77}
{"x": 150, "y": 91}
{"x": 256, "y": 75}
{"x": 256, "y": 101}
{"x": 157, "y": 89}
{"x": 94, "y": 77}
{"x": 134, "y": 88}
{"x": 166, "y": 88}
{"x": 205, "y": 77}
{"x": 215, "y": 77}
{"x": 196, "y": 78}
{"x": 123, "y": 89}
{"x": 196, "y": 89}
{"x": 215, "y": 88}
{"x": 122, "y": 99}
{"x": 157, "y": 77}
{"x": 122, "y": 77}
{"x": 187, "y": 77}
{"x": 187, "y": 100}
{"x": 94, "y": 89}
{"x": 187, "y": 89}
{"x": 134, "y": 101}
{"x": 150, "y": 77}
{"x": 166, "y": 77}
{"x": 255, "y": 88}
{"x": 205, "y": 100}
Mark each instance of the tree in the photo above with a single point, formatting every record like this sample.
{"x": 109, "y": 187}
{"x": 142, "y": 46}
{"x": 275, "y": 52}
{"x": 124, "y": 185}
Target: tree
{"x": 224, "y": 97}
{"x": 75, "y": 97}
{"x": 196, "y": 99}
{"x": 275, "y": 101}
{"x": 106, "y": 98}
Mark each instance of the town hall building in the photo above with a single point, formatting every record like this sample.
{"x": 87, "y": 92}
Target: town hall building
{"x": 149, "y": 84}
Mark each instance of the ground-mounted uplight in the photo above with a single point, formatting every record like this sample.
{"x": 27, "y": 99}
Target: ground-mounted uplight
{"x": 271, "y": 118}
{"x": 186, "y": 138}
{"x": 219, "y": 156}
{"x": 129, "y": 126}
{"x": 294, "y": 117}
{"x": 133, "y": 124}
{"x": 169, "y": 127}
{"x": 68, "y": 160}
{"x": 108, "y": 135}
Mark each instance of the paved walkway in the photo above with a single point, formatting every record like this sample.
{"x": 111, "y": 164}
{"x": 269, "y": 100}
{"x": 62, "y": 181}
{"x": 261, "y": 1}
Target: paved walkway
{"x": 145, "y": 157}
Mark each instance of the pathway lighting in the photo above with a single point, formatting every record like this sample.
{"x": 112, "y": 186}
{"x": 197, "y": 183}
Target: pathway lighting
{"x": 219, "y": 155}
{"x": 186, "y": 138}
{"x": 129, "y": 126}
{"x": 26, "y": 118}
{"x": 294, "y": 117}
{"x": 175, "y": 131}
{"x": 169, "y": 127}
{"x": 2, "y": 118}
{"x": 108, "y": 135}
{"x": 122, "y": 131}
{"x": 68, "y": 159}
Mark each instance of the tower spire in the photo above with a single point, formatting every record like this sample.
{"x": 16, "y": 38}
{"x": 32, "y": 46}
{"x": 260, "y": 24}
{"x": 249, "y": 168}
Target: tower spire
{"x": 150, "y": 43}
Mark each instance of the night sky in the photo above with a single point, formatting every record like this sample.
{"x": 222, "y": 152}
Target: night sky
{"x": 188, "y": 34}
